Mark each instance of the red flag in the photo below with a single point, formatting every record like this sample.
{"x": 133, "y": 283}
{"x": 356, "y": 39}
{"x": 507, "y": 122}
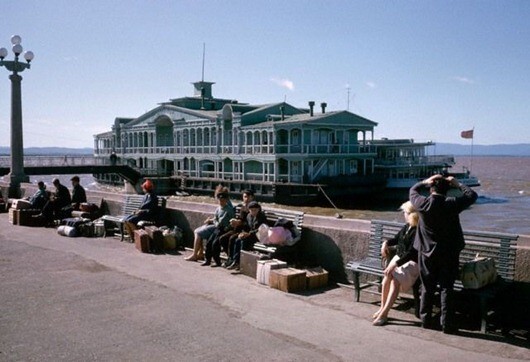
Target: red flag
{"x": 467, "y": 134}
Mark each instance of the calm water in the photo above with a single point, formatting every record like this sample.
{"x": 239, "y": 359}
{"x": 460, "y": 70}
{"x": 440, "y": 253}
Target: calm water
{"x": 503, "y": 204}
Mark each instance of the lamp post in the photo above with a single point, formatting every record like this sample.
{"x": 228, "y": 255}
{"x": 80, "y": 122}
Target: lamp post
{"x": 16, "y": 176}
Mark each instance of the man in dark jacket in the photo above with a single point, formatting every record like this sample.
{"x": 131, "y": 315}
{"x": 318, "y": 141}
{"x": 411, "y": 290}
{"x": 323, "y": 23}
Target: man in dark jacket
{"x": 439, "y": 240}
{"x": 58, "y": 200}
{"x": 78, "y": 193}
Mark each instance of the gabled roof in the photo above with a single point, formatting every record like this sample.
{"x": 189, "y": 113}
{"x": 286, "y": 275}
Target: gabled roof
{"x": 342, "y": 119}
{"x": 200, "y": 114}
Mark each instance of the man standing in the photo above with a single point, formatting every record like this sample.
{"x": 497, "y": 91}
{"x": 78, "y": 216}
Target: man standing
{"x": 439, "y": 240}
{"x": 78, "y": 193}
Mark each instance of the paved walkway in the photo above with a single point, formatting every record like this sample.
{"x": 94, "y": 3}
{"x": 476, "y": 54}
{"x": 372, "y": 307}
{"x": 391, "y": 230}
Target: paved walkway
{"x": 86, "y": 299}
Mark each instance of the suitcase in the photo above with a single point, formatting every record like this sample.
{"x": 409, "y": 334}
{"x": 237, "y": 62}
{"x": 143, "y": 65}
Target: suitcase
{"x": 156, "y": 239}
{"x": 248, "y": 262}
{"x": 26, "y": 217}
{"x": 20, "y": 204}
{"x": 141, "y": 240}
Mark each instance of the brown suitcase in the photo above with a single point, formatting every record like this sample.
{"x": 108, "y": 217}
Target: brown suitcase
{"x": 156, "y": 239}
{"x": 26, "y": 217}
{"x": 141, "y": 240}
{"x": 249, "y": 262}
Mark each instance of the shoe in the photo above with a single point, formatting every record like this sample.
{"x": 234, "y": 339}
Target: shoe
{"x": 232, "y": 266}
{"x": 376, "y": 314}
{"x": 205, "y": 263}
{"x": 191, "y": 258}
{"x": 380, "y": 322}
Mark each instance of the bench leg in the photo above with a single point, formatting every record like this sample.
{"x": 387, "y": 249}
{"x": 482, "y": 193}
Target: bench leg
{"x": 122, "y": 232}
{"x": 357, "y": 286}
{"x": 483, "y": 314}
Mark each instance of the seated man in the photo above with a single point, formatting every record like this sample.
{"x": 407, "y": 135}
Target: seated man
{"x": 247, "y": 238}
{"x": 78, "y": 193}
{"x": 148, "y": 210}
{"x": 59, "y": 200}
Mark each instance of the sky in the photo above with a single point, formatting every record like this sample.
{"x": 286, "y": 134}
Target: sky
{"x": 425, "y": 70}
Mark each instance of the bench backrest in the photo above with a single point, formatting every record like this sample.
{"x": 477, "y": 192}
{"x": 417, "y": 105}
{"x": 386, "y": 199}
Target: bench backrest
{"x": 381, "y": 231}
{"x": 133, "y": 202}
{"x": 499, "y": 246}
{"x": 297, "y": 217}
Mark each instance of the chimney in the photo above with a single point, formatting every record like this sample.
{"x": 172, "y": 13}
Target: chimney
{"x": 323, "y": 105}
{"x": 311, "y": 105}
{"x": 282, "y": 112}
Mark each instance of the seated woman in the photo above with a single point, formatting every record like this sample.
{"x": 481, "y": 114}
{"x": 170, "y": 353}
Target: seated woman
{"x": 216, "y": 224}
{"x": 148, "y": 210}
{"x": 247, "y": 238}
{"x": 402, "y": 272}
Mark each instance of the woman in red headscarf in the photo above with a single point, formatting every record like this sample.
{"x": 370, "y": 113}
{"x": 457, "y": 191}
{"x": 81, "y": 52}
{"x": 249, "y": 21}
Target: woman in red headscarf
{"x": 148, "y": 210}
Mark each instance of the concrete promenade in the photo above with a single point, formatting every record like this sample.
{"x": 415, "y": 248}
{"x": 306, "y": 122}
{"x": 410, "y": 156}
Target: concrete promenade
{"x": 87, "y": 299}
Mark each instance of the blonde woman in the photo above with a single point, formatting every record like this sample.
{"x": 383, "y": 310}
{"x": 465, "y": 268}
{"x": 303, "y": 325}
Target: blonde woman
{"x": 402, "y": 271}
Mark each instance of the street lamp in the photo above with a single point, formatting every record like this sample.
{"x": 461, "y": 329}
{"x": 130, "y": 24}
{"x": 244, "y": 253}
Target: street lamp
{"x": 16, "y": 176}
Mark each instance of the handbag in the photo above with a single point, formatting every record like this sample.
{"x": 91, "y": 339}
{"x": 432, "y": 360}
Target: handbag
{"x": 478, "y": 273}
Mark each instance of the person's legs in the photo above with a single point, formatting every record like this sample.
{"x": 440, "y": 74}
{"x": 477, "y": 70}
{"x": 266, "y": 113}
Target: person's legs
{"x": 392, "y": 295}
{"x": 385, "y": 286}
{"x": 197, "y": 247}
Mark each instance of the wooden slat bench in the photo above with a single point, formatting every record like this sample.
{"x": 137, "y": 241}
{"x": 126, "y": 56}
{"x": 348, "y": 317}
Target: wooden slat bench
{"x": 131, "y": 203}
{"x": 281, "y": 252}
{"x": 501, "y": 247}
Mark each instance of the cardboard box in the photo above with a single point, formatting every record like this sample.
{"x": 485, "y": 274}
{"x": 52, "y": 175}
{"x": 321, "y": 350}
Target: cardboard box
{"x": 288, "y": 279}
{"x": 249, "y": 262}
{"x": 316, "y": 278}
{"x": 265, "y": 267}
{"x": 13, "y": 216}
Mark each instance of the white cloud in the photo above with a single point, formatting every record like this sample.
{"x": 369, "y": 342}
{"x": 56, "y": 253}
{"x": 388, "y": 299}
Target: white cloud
{"x": 285, "y": 83}
{"x": 463, "y": 80}
{"x": 371, "y": 85}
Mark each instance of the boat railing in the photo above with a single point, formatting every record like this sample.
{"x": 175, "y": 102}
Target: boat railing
{"x": 417, "y": 161}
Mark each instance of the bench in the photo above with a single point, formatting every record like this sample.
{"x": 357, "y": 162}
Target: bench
{"x": 501, "y": 247}
{"x": 281, "y": 252}
{"x": 131, "y": 203}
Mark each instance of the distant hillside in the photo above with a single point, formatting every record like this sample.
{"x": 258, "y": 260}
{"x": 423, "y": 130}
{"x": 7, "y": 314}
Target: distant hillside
{"x": 521, "y": 149}
{"x": 53, "y": 151}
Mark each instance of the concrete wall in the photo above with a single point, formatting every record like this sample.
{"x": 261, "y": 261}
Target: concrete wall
{"x": 329, "y": 242}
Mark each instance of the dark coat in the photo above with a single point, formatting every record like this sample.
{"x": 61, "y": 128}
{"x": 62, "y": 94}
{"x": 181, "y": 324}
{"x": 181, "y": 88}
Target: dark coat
{"x": 62, "y": 196}
{"x": 78, "y": 195}
{"x": 439, "y": 225}
{"x": 403, "y": 241}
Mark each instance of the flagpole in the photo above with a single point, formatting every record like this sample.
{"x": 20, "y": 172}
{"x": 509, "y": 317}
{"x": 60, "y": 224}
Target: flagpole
{"x": 472, "y": 139}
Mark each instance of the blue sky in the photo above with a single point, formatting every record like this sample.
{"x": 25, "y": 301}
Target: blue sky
{"x": 422, "y": 69}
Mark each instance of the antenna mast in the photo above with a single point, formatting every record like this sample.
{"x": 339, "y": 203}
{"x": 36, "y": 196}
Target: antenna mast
{"x": 348, "y": 101}
{"x": 203, "y": 56}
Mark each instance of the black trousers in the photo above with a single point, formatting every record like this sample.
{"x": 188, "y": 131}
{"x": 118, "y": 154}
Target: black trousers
{"x": 442, "y": 270}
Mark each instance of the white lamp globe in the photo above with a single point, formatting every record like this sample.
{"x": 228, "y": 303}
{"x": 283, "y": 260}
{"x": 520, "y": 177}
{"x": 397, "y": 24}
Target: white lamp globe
{"x": 29, "y": 56}
{"x": 17, "y": 49}
{"x": 3, "y": 53}
{"x": 16, "y": 39}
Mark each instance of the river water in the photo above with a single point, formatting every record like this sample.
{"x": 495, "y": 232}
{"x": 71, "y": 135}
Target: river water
{"x": 503, "y": 204}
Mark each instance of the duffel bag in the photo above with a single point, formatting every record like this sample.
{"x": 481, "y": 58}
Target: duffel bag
{"x": 478, "y": 273}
